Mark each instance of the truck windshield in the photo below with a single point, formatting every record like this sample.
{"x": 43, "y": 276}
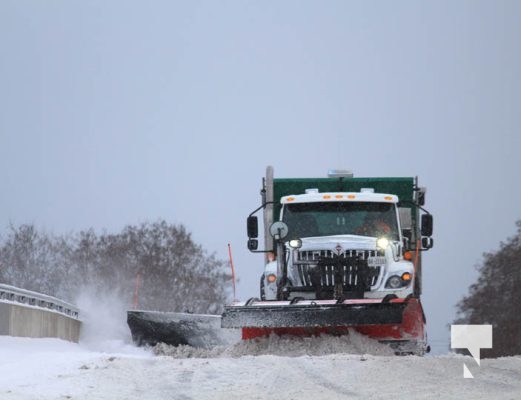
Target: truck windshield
{"x": 341, "y": 218}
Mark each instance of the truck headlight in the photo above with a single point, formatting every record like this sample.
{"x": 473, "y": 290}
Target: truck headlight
{"x": 394, "y": 282}
{"x": 295, "y": 243}
{"x": 382, "y": 243}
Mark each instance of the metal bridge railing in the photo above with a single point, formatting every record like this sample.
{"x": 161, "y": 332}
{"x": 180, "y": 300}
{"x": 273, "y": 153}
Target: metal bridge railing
{"x": 35, "y": 299}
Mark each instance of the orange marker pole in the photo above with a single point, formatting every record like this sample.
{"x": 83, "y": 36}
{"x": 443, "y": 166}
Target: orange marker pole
{"x": 417, "y": 254}
{"x": 233, "y": 271}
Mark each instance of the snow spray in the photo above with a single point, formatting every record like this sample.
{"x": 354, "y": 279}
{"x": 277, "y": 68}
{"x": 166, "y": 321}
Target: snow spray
{"x": 104, "y": 326}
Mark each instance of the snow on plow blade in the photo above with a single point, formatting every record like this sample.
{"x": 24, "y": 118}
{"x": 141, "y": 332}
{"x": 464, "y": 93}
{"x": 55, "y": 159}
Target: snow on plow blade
{"x": 196, "y": 330}
{"x": 312, "y": 314}
{"x": 398, "y": 322}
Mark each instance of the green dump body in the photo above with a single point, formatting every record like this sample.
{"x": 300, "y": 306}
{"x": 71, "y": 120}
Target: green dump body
{"x": 404, "y": 188}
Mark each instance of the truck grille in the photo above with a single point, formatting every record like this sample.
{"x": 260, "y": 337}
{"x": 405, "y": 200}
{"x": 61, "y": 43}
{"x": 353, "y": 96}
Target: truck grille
{"x": 314, "y": 255}
{"x": 347, "y": 266}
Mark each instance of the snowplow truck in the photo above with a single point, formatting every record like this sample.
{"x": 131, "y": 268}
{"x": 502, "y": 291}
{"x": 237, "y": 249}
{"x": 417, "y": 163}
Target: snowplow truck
{"x": 340, "y": 253}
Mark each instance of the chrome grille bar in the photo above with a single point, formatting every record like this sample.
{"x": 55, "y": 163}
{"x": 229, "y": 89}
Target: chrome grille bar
{"x": 307, "y": 260}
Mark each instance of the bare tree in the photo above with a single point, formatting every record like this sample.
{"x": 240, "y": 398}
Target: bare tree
{"x": 28, "y": 258}
{"x": 496, "y": 297}
{"x": 175, "y": 273}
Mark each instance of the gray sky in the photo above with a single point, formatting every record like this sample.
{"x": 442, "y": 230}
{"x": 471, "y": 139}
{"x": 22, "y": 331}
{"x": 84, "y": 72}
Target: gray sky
{"x": 119, "y": 112}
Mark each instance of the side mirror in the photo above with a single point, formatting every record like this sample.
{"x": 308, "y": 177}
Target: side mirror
{"x": 253, "y": 244}
{"x": 427, "y": 243}
{"x": 426, "y": 225}
{"x": 253, "y": 227}
{"x": 279, "y": 230}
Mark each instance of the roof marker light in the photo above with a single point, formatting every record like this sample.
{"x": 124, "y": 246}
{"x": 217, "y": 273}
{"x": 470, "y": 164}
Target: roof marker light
{"x": 312, "y": 191}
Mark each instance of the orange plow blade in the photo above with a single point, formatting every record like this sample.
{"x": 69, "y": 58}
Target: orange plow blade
{"x": 398, "y": 322}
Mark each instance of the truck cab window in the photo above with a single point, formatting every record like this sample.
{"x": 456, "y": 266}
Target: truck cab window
{"x": 341, "y": 218}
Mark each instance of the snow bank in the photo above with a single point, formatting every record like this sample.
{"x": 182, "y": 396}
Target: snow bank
{"x": 354, "y": 343}
{"x": 105, "y": 366}
{"x": 34, "y": 363}
{"x": 50, "y": 369}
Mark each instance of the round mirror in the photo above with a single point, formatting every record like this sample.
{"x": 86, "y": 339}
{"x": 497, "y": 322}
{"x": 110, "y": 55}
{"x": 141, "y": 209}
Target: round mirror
{"x": 279, "y": 230}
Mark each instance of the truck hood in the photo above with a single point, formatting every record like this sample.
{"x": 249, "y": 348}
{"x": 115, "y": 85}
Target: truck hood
{"x": 347, "y": 242}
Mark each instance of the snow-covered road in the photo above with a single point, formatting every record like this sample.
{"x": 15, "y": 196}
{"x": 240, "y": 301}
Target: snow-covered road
{"x": 51, "y": 369}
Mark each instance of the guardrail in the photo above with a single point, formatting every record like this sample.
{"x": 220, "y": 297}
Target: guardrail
{"x": 21, "y": 296}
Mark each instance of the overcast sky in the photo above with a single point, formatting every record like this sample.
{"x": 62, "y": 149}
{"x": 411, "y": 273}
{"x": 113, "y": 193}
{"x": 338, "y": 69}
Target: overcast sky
{"x": 120, "y": 112}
